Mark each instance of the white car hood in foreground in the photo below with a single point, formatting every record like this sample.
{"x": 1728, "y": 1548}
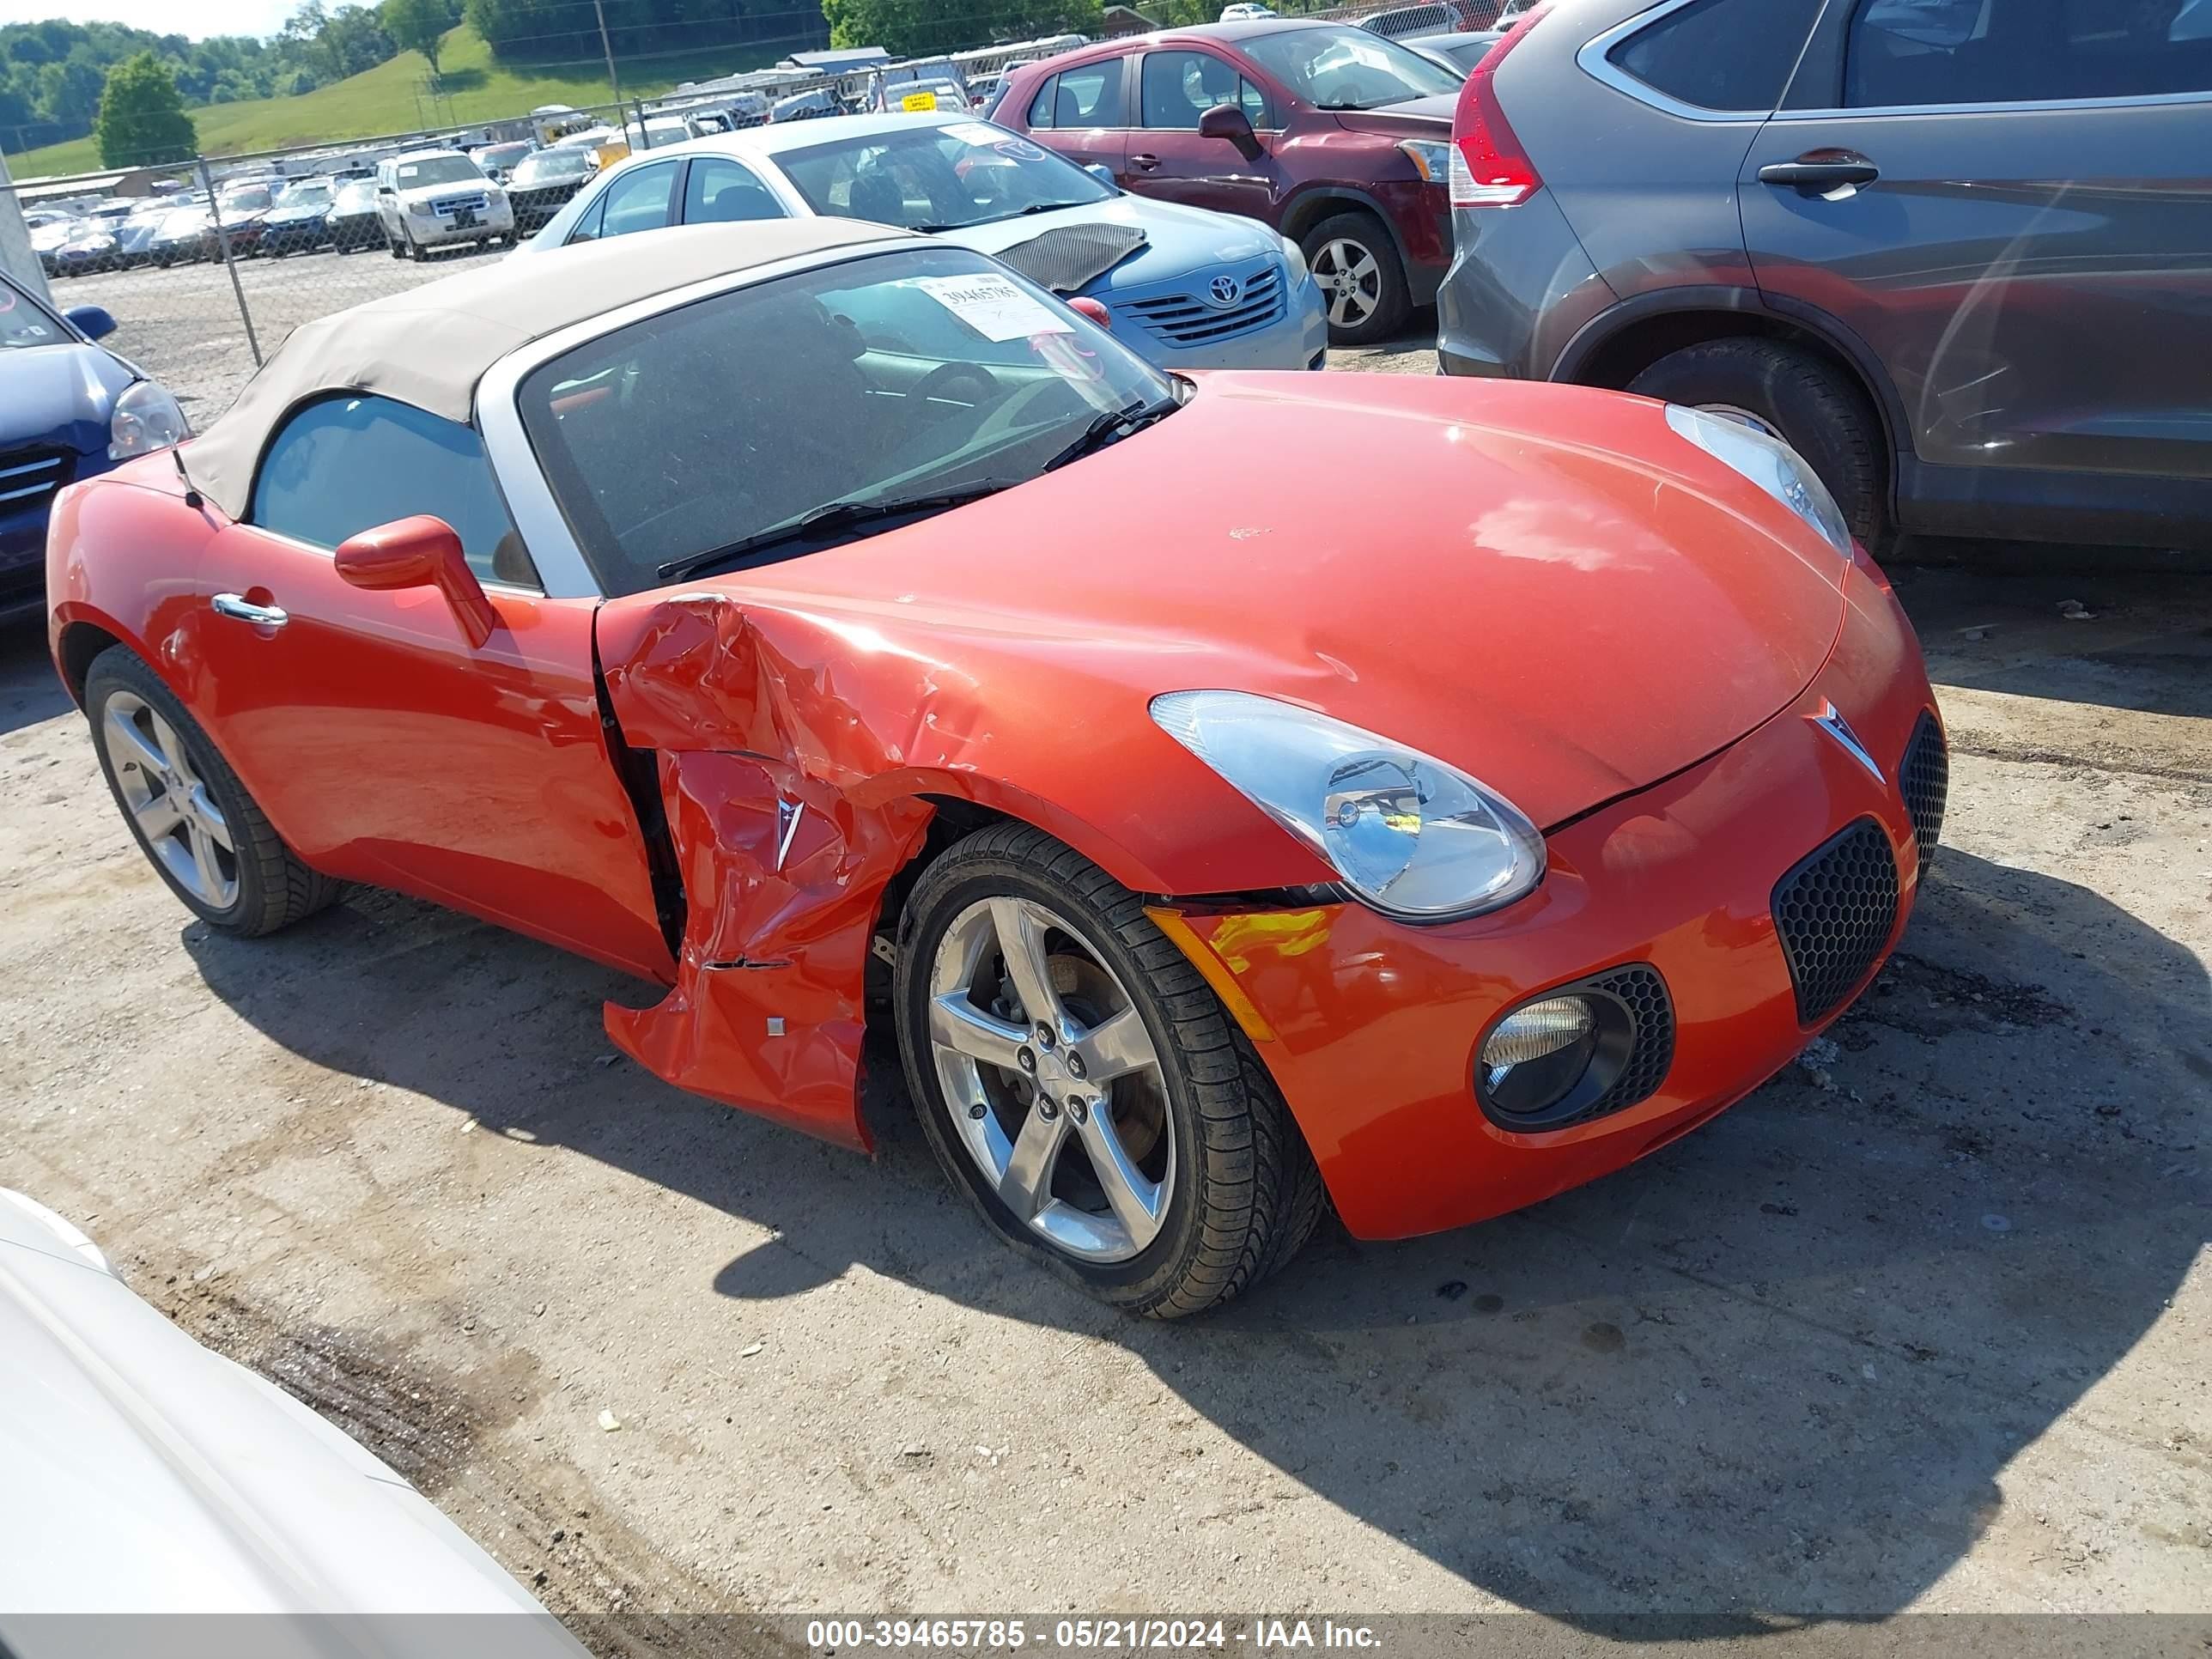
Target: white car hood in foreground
{"x": 144, "y": 1474}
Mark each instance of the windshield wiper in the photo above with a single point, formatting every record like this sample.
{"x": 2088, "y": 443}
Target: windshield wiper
{"x": 1105, "y": 428}
{"x": 831, "y": 516}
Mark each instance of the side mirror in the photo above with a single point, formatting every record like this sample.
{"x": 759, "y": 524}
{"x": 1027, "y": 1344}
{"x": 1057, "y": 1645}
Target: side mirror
{"x": 1227, "y": 121}
{"x": 419, "y": 552}
{"x": 94, "y": 322}
{"x": 1103, "y": 173}
{"x": 1083, "y": 306}
{"x": 386, "y": 190}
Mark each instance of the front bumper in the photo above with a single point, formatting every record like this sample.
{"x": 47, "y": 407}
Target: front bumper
{"x": 1370, "y": 1027}
{"x": 438, "y": 231}
{"x": 29, "y": 481}
{"x": 1296, "y": 338}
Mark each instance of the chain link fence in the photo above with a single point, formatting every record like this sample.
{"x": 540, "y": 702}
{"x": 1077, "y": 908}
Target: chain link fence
{"x": 207, "y": 266}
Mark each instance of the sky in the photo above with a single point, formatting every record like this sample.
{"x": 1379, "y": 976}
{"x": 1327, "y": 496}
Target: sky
{"x": 196, "y": 18}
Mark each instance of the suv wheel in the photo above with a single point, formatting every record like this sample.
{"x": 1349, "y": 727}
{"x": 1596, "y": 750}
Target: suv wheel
{"x": 1789, "y": 393}
{"x": 1363, "y": 282}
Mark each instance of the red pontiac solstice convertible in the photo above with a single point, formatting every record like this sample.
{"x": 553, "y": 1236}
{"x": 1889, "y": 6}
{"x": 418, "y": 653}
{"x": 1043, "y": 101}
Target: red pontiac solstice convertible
{"x": 1419, "y": 794}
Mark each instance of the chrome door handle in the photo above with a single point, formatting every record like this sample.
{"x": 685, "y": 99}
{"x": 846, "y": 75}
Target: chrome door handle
{"x": 244, "y": 609}
{"x": 1144, "y": 163}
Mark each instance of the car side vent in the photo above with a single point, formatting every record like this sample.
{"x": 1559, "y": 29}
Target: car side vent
{"x": 1834, "y": 912}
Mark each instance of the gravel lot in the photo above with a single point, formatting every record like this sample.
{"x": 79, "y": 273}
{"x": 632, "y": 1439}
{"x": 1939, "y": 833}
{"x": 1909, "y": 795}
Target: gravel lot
{"x": 1922, "y": 1325}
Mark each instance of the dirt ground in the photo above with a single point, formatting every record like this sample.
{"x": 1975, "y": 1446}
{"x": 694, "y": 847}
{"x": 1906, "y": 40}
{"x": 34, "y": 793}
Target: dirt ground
{"x": 1922, "y": 1325}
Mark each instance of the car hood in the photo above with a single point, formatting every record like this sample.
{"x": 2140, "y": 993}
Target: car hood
{"x": 58, "y": 394}
{"x": 1417, "y": 117}
{"x": 1543, "y": 585}
{"x": 1177, "y": 239}
{"x": 148, "y": 1475}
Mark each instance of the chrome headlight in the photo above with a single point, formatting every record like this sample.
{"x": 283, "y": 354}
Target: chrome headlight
{"x": 1294, "y": 257}
{"x": 423, "y": 209}
{"x": 1771, "y": 464}
{"x": 146, "y": 418}
{"x": 1413, "y": 837}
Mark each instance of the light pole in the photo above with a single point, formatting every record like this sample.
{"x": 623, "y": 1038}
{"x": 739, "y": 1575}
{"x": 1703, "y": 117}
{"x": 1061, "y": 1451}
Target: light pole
{"x": 599, "y": 10}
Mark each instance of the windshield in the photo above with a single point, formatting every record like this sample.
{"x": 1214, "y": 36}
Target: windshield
{"x": 309, "y": 195}
{"x": 250, "y": 200}
{"x": 359, "y": 196}
{"x": 552, "y": 164}
{"x": 968, "y": 173}
{"x": 1338, "y": 67}
{"x": 21, "y": 322}
{"x": 438, "y": 170}
{"x": 500, "y": 155}
{"x": 910, "y": 373}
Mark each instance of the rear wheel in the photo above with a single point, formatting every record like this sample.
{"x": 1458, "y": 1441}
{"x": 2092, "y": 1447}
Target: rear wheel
{"x": 190, "y": 814}
{"x": 1789, "y": 393}
{"x": 1080, "y": 1082}
{"x": 1362, "y": 281}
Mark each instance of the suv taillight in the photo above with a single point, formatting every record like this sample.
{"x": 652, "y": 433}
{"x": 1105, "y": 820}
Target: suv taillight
{"x": 1489, "y": 168}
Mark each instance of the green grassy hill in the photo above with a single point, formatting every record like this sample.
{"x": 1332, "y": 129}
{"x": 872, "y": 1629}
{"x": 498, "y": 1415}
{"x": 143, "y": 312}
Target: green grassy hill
{"x": 393, "y": 98}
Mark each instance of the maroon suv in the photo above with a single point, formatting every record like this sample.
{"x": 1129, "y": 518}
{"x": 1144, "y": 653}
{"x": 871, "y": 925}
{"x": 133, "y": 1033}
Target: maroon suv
{"x": 1336, "y": 137}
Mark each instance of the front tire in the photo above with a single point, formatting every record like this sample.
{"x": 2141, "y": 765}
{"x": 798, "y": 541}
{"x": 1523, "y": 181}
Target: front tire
{"x": 1362, "y": 281}
{"x": 1795, "y": 396}
{"x": 1140, "y": 1151}
{"x": 189, "y": 813}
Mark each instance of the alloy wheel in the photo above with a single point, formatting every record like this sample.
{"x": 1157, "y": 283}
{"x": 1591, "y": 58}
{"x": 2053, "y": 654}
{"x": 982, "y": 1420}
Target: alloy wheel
{"x": 1051, "y": 1078}
{"x": 166, "y": 798}
{"x": 1352, "y": 279}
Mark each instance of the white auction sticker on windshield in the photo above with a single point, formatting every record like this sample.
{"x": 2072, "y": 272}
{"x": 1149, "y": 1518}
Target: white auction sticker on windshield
{"x": 976, "y": 132}
{"x": 993, "y": 307}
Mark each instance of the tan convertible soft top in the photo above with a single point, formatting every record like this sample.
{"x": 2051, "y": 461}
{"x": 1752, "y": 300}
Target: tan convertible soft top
{"x": 429, "y": 346}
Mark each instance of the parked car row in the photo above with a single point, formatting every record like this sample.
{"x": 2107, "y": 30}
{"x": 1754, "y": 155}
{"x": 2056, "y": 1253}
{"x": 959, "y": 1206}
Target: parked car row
{"x": 1186, "y": 288}
{"x": 1952, "y": 255}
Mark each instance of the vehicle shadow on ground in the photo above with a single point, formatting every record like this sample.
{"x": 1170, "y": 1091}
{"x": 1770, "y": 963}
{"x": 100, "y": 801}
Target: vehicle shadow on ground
{"x": 1779, "y": 1366}
{"x": 30, "y": 690}
{"x": 2066, "y": 630}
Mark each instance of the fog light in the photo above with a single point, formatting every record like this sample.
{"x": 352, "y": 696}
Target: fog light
{"x": 1540, "y": 1029}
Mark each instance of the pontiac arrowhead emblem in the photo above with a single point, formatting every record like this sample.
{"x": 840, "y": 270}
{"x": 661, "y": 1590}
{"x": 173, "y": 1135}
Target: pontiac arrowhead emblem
{"x": 1829, "y": 719}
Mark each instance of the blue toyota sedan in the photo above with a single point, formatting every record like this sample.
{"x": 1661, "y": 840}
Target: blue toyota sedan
{"x": 69, "y": 410}
{"x": 1187, "y": 287}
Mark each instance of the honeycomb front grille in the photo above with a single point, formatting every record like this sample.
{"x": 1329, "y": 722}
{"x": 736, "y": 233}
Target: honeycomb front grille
{"x": 1834, "y": 912}
{"x": 1925, "y": 778}
{"x": 1651, "y": 1049}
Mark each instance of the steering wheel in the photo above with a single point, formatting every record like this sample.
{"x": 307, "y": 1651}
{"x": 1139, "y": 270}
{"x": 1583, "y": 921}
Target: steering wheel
{"x": 940, "y": 380}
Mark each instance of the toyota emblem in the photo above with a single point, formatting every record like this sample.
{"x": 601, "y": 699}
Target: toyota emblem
{"x": 1225, "y": 290}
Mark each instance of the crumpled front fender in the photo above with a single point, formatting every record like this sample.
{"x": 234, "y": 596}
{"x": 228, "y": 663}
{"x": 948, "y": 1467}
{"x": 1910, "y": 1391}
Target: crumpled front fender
{"x": 795, "y": 750}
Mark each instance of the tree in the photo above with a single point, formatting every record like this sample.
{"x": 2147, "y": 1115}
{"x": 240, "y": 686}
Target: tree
{"x": 141, "y": 119}
{"x": 416, "y": 26}
{"x": 69, "y": 91}
{"x": 916, "y": 28}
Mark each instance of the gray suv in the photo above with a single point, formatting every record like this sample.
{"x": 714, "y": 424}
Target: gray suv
{"x": 1958, "y": 253}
